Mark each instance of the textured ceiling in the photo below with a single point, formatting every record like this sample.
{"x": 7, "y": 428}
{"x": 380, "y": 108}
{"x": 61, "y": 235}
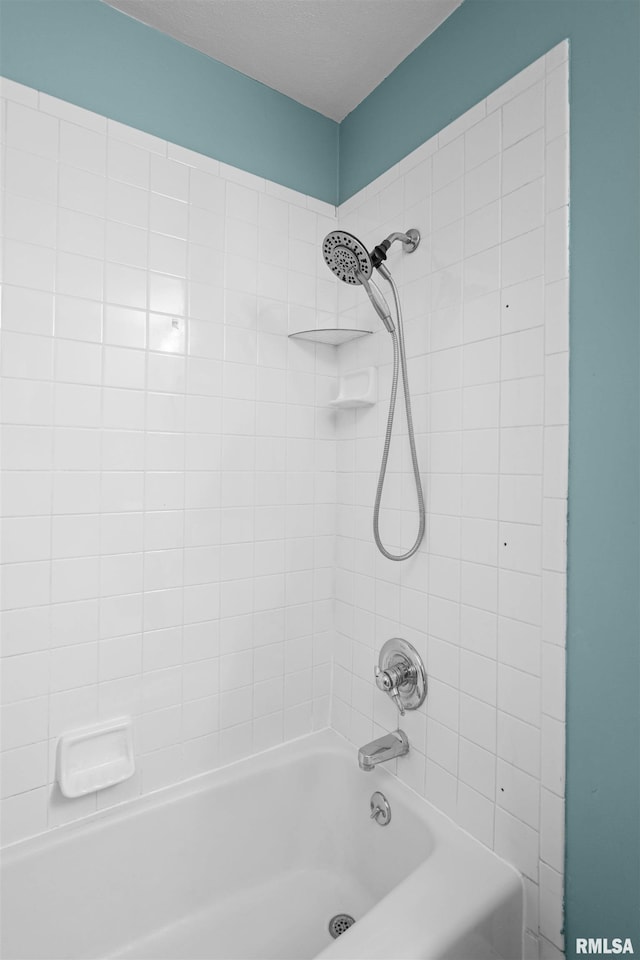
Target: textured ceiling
{"x": 327, "y": 54}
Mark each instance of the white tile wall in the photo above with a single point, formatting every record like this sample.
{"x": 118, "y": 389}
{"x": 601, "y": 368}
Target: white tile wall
{"x": 172, "y": 480}
{"x": 486, "y": 310}
{"x": 168, "y": 479}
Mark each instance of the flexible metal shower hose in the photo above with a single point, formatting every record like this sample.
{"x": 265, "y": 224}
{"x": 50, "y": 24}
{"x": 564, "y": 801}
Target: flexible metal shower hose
{"x": 399, "y": 360}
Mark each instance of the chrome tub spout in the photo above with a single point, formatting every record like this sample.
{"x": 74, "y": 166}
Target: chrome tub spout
{"x": 395, "y": 744}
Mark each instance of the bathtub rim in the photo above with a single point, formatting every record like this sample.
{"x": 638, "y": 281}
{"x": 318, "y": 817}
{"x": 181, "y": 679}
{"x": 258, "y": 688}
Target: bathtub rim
{"x": 326, "y": 742}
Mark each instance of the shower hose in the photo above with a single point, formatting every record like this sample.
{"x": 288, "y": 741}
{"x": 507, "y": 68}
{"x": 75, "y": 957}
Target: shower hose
{"x": 399, "y": 363}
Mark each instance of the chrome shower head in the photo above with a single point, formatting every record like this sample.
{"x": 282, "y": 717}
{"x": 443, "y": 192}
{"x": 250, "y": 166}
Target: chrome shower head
{"x": 348, "y": 258}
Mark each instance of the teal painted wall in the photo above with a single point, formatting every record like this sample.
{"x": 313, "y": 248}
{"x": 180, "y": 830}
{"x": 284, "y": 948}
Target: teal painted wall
{"x": 88, "y": 53}
{"x": 479, "y": 47}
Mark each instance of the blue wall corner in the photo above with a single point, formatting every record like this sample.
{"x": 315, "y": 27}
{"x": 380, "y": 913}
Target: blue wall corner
{"x": 96, "y": 57}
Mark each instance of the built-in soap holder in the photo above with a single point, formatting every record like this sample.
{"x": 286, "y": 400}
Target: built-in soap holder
{"x": 357, "y": 389}
{"x": 95, "y": 758}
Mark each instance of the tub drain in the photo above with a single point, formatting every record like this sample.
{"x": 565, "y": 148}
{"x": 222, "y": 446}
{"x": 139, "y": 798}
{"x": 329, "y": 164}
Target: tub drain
{"x": 340, "y": 923}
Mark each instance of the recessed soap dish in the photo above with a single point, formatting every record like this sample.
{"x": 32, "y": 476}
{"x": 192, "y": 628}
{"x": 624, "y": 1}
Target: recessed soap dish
{"x": 95, "y": 758}
{"x": 357, "y": 389}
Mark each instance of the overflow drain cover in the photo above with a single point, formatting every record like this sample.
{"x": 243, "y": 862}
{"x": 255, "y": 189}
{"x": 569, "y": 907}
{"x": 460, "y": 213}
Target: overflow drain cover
{"x": 340, "y": 923}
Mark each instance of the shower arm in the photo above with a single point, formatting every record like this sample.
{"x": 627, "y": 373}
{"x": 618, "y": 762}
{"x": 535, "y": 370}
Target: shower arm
{"x": 409, "y": 240}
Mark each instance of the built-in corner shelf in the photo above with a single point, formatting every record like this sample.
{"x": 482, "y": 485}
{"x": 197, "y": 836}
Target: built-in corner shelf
{"x": 331, "y": 335}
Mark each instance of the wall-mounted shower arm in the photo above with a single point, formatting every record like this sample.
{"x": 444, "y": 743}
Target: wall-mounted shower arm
{"x": 409, "y": 240}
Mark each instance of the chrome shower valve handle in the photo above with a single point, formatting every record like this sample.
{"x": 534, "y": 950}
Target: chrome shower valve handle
{"x": 392, "y": 678}
{"x": 401, "y": 675}
{"x": 388, "y": 681}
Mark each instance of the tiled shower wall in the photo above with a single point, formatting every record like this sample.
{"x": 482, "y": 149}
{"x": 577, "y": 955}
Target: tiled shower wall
{"x": 485, "y": 304}
{"x": 170, "y": 465}
{"x": 168, "y": 482}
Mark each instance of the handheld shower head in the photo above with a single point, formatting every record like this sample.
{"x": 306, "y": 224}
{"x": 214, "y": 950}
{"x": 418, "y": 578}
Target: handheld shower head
{"x": 348, "y": 258}
{"x": 345, "y": 255}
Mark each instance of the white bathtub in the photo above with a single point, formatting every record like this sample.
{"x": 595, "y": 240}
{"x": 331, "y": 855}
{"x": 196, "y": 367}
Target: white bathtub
{"x": 252, "y": 861}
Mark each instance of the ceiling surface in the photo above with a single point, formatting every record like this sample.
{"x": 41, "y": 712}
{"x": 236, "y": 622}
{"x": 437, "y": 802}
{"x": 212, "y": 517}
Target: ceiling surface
{"x": 326, "y": 54}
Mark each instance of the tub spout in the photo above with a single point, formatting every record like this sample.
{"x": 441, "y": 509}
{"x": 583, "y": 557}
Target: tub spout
{"x": 395, "y": 744}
